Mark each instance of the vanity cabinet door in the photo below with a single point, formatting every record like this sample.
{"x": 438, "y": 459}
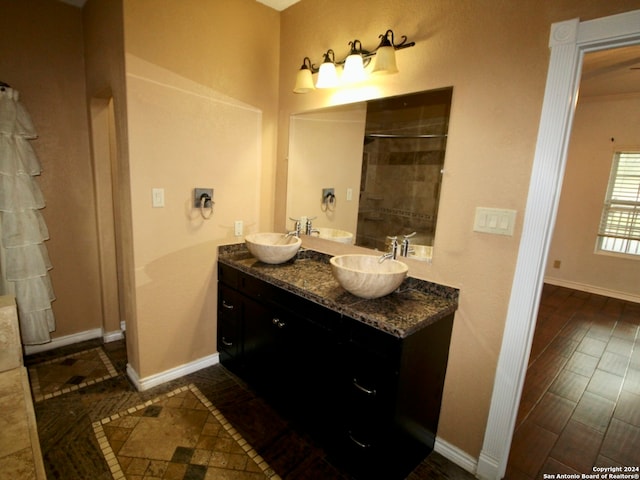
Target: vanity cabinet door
{"x": 288, "y": 358}
{"x": 262, "y": 339}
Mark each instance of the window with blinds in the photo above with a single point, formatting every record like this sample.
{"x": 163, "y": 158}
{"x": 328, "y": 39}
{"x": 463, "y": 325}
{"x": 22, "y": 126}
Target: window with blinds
{"x": 619, "y": 230}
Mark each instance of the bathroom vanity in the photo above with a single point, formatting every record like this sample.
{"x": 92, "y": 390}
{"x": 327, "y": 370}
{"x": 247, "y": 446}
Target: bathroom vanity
{"x": 363, "y": 377}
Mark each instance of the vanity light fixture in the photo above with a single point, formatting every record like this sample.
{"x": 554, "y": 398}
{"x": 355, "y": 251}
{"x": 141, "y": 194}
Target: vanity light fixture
{"x": 354, "y": 64}
{"x": 304, "y": 79}
{"x": 386, "y": 55}
{"x": 327, "y": 74}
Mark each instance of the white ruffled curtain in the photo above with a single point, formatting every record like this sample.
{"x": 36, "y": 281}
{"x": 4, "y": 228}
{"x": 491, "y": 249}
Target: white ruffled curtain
{"x": 24, "y": 262}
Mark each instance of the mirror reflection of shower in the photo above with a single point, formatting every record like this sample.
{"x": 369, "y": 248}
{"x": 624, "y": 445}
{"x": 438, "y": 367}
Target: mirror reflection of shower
{"x": 403, "y": 158}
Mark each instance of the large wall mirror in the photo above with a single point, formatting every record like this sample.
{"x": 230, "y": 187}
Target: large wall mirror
{"x": 370, "y": 170}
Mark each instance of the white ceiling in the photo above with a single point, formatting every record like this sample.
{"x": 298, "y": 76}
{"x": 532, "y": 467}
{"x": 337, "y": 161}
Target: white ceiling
{"x": 278, "y": 4}
{"x": 607, "y": 72}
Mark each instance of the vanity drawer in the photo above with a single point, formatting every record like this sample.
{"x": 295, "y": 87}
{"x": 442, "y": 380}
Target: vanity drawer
{"x": 279, "y": 299}
{"x": 229, "y": 324}
{"x": 371, "y": 390}
{"x": 229, "y": 304}
{"x": 228, "y": 339}
{"x": 376, "y": 345}
{"x": 228, "y": 275}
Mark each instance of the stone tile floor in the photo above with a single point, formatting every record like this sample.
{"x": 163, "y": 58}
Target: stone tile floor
{"x": 178, "y": 435}
{"x": 70, "y": 372}
{"x": 184, "y": 408}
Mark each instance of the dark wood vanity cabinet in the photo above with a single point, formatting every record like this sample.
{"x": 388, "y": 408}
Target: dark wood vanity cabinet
{"x": 370, "y": 398}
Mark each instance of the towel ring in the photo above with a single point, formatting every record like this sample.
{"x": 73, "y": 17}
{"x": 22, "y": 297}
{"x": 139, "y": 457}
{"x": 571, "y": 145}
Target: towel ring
{"x": 329, "y": 202}
{"x": 206, "y": 203}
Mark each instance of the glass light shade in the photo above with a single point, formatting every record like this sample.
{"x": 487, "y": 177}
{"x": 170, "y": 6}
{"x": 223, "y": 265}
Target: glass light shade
{"x": 327, "y": 76}
{"x": 353, "y": 69}
{"x": 304, "y": 81}
{"x": 385, "y": 61}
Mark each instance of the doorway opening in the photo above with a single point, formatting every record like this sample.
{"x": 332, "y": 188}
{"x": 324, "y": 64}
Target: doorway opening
{"x": 108, "y": 211}
{"x": 569, "y": 42}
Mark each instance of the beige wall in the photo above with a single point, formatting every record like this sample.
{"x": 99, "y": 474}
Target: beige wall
{"x": 325, "y": 151}
{"x": 495, "y": 55}
{"x": 42, "y": 58}
{"x": 103, "y": 29}
{"x": 201, "y": 110}
{"x": 597, "y": 121}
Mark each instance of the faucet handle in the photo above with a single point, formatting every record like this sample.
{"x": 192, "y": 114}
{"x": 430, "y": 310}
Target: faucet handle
{"x": 404, "y": 249}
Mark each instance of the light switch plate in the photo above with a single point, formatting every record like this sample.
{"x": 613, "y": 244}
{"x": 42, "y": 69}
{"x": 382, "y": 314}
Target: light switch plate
{"x": 494, "y": 220}
{"x": 157, "y": 197}
{"x": 237, "y": 228}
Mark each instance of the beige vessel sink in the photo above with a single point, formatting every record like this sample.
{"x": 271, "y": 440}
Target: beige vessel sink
{"x": 272, "y": 248}
{"x": 335, "y": 235}
{"x": 365, "y": 276}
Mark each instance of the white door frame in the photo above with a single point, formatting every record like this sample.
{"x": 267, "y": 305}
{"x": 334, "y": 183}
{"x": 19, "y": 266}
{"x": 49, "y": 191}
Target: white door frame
{"x": 569, "y": 41}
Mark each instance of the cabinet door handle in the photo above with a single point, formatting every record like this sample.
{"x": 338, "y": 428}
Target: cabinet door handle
{"x": 278, "y": 323}
{"x": 363, "y": 389}
{"x": 226, "y": 305}
{"x": 226, "y": 343}
{"x": 357, "y": 442}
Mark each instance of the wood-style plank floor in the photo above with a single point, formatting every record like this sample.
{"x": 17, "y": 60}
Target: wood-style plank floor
{"x": 580, "y": 406}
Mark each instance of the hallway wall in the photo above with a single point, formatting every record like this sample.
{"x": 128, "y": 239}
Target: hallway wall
{"x": 597, "y": 121}
{"x": 42, "y": 58}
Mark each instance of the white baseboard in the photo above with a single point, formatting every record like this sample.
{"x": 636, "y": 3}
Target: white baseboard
{"x": 457, "y": 456}
{"x": 63, "y": 341}
{"x": 159, "y": 378}
{"x": 75, "y": 338}
{"x": 583, "y": 287}
{"x": 488, "y": 468}
{"x": 112, "y": 336}
{"x": 116, "y": 334}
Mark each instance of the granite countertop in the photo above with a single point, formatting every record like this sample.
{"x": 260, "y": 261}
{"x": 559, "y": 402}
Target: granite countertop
{"x": 416, "y": 304}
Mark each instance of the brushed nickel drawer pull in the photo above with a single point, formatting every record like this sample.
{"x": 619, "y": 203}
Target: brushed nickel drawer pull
{"x": 363, "y": 389}
{"x": 226, "y": 343}
{"x": 358, "y": 443}
{"x": 226, "y": 305}
{"x": 278, "y": 323}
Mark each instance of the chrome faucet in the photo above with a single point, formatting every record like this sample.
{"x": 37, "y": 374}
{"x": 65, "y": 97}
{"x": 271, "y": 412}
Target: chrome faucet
{"x": 393, "y": 250}
{"x": 309, "y": 230}
{"x": 297, "y": 228}
{"x": 405, "y": 250}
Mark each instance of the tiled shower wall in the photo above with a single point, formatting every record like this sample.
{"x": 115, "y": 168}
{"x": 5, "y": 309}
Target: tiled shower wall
{"x": 400, "y": 190}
